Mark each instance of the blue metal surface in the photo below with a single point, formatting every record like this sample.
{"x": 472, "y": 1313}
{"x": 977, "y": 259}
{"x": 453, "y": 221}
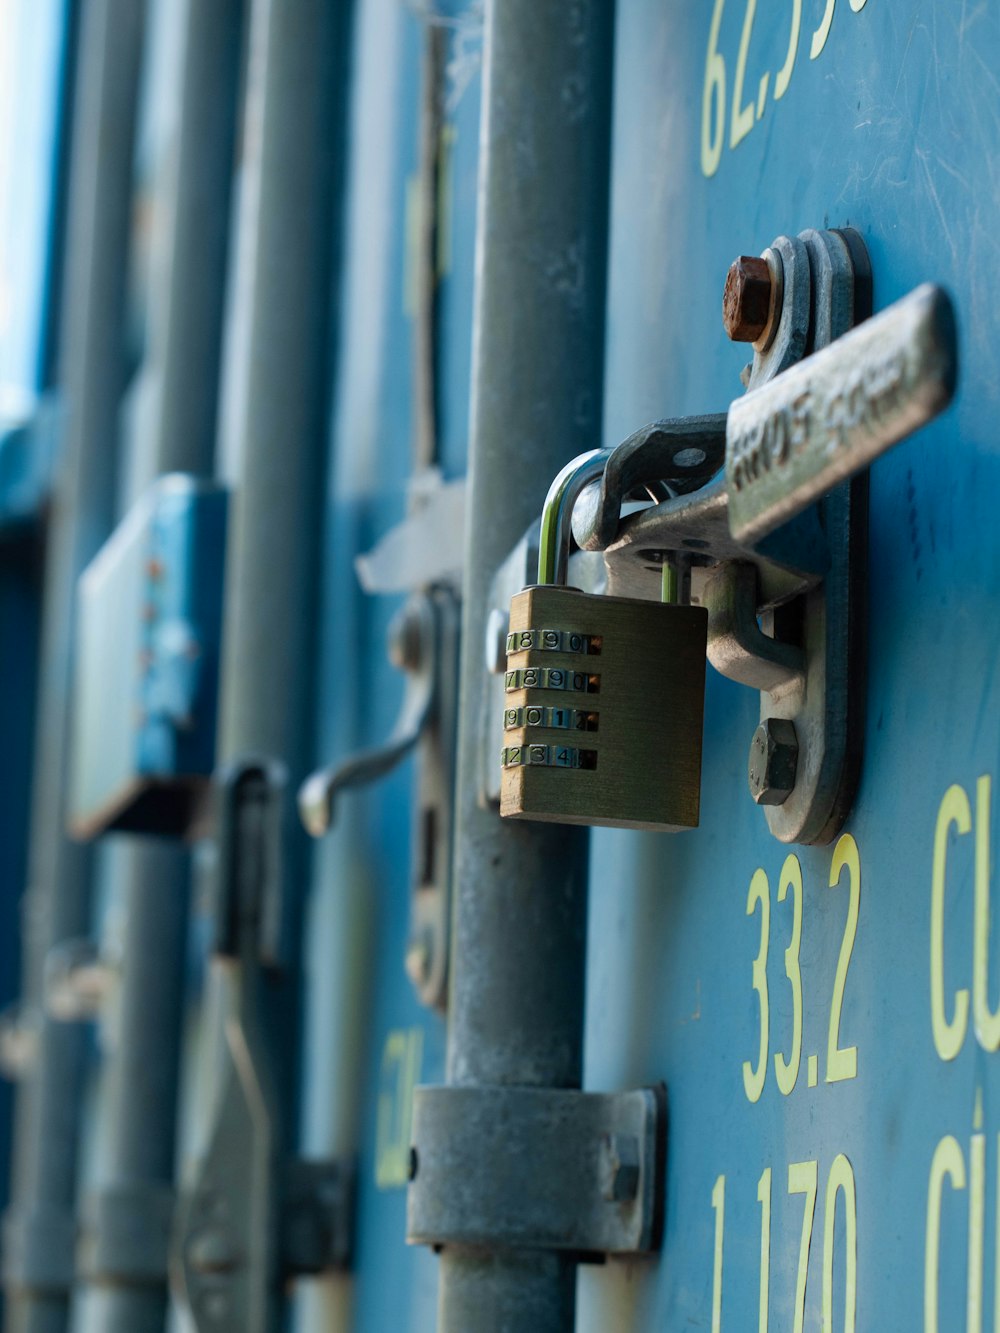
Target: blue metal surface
{"x": 145, "y": 713}
{"x": 892, "y": 129}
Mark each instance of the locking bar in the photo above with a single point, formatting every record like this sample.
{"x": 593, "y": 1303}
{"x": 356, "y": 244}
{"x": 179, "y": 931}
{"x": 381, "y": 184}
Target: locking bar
{"x": 573, "y": 1171}
{"x": 791, "y": 441}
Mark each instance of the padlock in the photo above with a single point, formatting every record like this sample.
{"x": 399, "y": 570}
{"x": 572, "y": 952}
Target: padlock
{"x": 603, "y": 696}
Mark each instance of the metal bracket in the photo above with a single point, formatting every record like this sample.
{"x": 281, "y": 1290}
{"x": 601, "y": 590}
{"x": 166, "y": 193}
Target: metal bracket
{"x": 423, "y": 642}
{"x": 576, "y": 1171}
{"x": 317, "y": 1229}
{"x": 737, "y": 646}
{"x": 828, "y": 285}
{"x": 776, "y": 541}
{"x": 125, "y": 1234}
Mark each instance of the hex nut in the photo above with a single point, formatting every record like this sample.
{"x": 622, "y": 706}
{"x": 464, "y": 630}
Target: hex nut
{"x": 746, "y": 301}
{"x": 774, "y": 757}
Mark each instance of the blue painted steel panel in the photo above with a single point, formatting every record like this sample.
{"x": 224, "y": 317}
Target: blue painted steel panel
{"x": 892, "y": 128}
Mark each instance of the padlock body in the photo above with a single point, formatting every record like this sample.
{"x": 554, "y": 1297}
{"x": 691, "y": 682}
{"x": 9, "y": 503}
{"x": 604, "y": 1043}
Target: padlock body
{"x": 603, "y": 706}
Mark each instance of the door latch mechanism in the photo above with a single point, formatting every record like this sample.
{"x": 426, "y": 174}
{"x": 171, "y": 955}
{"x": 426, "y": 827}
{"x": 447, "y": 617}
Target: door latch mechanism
{"x": 255, "y": 1214}
{"x": 765, "y": 523}
{"x": 423, "y": 642}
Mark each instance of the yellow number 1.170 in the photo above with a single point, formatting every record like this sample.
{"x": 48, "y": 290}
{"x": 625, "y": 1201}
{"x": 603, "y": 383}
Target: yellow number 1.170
{"x": 803, "y": 1178}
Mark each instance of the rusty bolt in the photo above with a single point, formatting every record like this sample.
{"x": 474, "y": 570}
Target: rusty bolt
{"x": 774, "y": 756}
{"x": 746, "y": 301}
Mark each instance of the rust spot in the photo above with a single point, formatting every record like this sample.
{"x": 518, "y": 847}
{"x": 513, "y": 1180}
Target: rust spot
{"x": 746, "y": 301}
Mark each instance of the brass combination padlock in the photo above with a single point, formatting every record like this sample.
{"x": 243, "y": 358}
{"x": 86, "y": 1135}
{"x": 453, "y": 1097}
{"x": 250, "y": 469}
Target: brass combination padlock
{"x": 604, "y": 696}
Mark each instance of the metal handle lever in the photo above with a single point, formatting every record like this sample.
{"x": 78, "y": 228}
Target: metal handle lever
{"x": 413, "y": 647}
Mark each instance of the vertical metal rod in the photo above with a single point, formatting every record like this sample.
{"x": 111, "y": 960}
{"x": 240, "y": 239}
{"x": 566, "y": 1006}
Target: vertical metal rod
{"x": 39, "y": 1228}
{"x": 280, "y": 422}
{"x": 278, "y": 371}
{"x": 136, "y": 1110}
{"x": 519, "y": 941}
{"x": 191, "y": 230}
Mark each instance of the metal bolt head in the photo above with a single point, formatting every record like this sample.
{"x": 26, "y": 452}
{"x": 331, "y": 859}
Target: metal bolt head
{"x": 746, "y": 301}
{"x": 774, "y": 757}
{"x": 620, "y": 1168}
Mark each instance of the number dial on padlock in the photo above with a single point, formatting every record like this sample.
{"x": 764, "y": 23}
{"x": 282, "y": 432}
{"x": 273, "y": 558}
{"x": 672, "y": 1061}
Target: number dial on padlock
{"x": 603, "y": 707}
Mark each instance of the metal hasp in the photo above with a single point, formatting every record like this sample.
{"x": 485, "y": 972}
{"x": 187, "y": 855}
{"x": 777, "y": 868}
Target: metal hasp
{"x": 423, "y": 642}
{"x": 777, "y": 540}
{"x": 537, "y": 1169}
{"x": 254, "y": 1216}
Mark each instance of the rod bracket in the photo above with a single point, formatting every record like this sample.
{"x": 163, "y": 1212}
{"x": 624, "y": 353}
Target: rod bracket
{"x": 125, "y": 1234}
{"x": 572, "y": 1171}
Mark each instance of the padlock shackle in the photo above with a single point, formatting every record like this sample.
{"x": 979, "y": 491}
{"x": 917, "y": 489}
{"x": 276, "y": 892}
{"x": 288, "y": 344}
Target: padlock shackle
{"x": 557, "y": 513}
